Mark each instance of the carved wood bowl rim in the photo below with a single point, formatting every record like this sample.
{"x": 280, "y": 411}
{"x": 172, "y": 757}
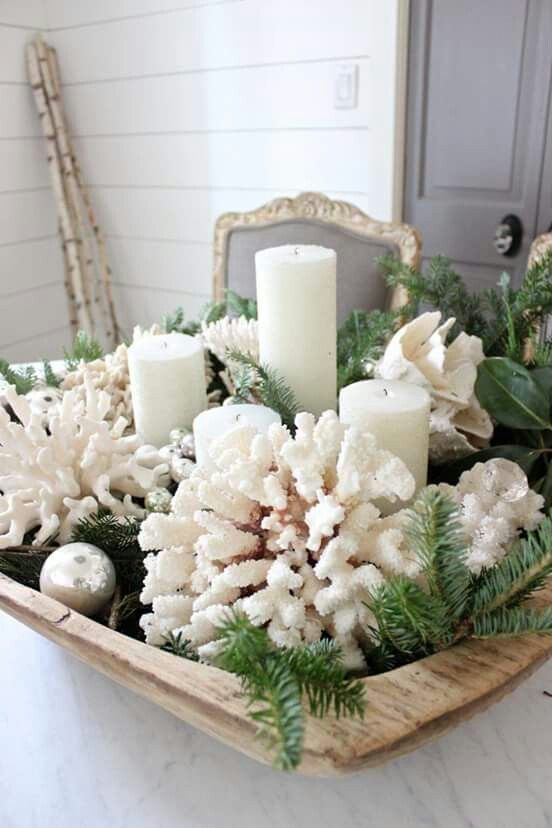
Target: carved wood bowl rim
{"x": 406, "y": 708}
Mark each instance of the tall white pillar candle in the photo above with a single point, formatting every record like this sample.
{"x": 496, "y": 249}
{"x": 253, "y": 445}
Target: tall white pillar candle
{"x": 397, "y": 414}
{"x": 216, "y": 421}
{"x": 167, "y": 380}
{"x": 296, "y": 295}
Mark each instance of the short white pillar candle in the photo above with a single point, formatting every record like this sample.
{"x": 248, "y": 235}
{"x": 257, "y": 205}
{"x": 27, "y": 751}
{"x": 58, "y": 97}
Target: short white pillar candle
{"x": 216, "y": 421}
{"x": 397, "y": 414}
{"x": 167, "y": 380}
{"x": 296, "y": 295}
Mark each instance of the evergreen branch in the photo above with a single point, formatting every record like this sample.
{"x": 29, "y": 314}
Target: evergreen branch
{"x": 542, "y": 354}
{"x": 179, "y": 646}
{"x": 23, "y": 379}
{"x": 511, "y": 622}
{"x": 361, "y": 341}
{"x": 278, "y": 712}
{"x": 524, "y": 570}
{"x": 435, "y": 536}
{"x": 272, "y": 389}
{"x": 319, "y": 670}
{"x": 410, "y": 620}
{"x": 23, "y": 566}
{"x": 84, "y": 349}
{"x": 239, "y": 305}
{"x": 50, "y": 377}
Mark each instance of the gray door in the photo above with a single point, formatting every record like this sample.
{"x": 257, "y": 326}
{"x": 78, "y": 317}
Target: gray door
{"x": 479, "y": 91}
{"x": 544, "y": 218}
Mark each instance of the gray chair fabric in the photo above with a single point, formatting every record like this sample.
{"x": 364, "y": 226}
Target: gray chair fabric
{"x": 360, "y": 284}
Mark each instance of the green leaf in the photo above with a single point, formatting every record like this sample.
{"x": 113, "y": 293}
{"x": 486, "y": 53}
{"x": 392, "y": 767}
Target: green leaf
{"x": 511, "y": 395}
{"x": 544, "y": 378}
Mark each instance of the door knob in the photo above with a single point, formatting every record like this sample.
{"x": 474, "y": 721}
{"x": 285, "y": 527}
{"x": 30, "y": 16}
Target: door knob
{"x": 508, "y": 235}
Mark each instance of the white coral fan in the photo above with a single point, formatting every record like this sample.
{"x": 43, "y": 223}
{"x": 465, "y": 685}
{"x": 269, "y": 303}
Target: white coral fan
{"x": 495, "y": 504}
{"x": 51, "y": 478}
{"x": 109, "y": 374}
{"x": 417, "y": 353}
{"x": 274, "y": 526}
{"x": 228, "y": 334}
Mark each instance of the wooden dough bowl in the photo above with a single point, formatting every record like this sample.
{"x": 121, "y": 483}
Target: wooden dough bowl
{"x": 406, "y": 707}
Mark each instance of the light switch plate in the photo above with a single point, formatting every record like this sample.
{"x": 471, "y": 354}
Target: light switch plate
{"x": 346, "y": 86}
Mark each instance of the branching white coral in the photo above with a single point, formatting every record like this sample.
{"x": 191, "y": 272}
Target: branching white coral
{"x": 109, "y": 374}
{"x": 273, "y": 527}
{"x": 417, "y": 353}
{"x": 51, "y": 478}
{"x": 228, "y": 334}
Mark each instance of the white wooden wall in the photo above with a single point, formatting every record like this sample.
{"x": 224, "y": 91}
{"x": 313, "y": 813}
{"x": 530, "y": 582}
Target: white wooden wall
{"x": 188, "y": 108}
{"x": 33, "y": 315}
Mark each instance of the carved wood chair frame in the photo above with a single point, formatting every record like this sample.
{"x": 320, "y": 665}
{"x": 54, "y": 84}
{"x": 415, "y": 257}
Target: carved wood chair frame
{"x": 316, "y": 207}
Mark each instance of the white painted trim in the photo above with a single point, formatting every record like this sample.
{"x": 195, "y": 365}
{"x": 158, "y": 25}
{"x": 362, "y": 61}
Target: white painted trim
{"x": 401, "y": 86}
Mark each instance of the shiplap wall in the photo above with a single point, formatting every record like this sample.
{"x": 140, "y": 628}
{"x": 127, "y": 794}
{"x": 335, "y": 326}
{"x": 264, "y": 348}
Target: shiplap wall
{"x": 33, "y": 315}
{"x": 184, "y": 109}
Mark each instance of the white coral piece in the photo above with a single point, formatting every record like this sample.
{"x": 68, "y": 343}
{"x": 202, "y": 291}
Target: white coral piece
{"x": 417, "y": 353}
{"x": 273, "y": 526}
{"x": 50, "y": 478}
{"x": 495, "y": 503}
{"x": 228, "y": 334}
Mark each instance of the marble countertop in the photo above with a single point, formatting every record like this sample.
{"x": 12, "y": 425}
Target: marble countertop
{"x": 78, "y": 751}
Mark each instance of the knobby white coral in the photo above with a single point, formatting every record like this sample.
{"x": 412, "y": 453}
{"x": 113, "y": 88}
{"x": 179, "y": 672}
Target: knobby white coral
{"x": 274, "y": 527}
{"x": 495, "y": 504}
{"x": 417, "y": 353}
{"x": 52, "y": 477}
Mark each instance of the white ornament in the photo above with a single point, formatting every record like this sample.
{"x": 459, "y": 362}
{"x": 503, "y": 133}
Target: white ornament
{"x": 51, "y": 478}
{"x": 79, "y": 575}
{"x": 45, "y": 402}
{"x": 269, "y": 525}
{"x": 417, "y": 353}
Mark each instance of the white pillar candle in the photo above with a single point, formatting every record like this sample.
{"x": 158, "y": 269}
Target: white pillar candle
{"x": 397, "y": 414}
{"x": 296, "y": 295}
{"x": 167, "y": 380}
{"x": 216, "y": 421}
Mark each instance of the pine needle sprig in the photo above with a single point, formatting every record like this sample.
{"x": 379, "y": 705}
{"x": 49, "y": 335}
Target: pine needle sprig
{"x": 434, "y": 535}
{"x": 522, "y": 572}
{"x": 84, "y": 349}
{"x": 264, "y": 382}
{"x": 509, "y": 622}
{"x": 318, "y": 668}
{"x": 23, "y": 379}
{"x": 50, "y": 377}
{"x": 177, "y": 645}
{"x": 274, "y": 681}
{"x": 361, "y": 341}
{"x": 239, "y": 305}
{"x": 23, "y": 565}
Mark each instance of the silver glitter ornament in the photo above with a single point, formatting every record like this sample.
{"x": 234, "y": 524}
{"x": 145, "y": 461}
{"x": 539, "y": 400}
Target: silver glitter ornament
{"x": 187, "y": 446}
{"x": 158, "y": 500}
{"x": 79, "y": 575}
{"x": 181, "y": 468}
{"x": 176, "y": 435}
{"x": 505, "y": 479}
{"x": 168, "y": 452}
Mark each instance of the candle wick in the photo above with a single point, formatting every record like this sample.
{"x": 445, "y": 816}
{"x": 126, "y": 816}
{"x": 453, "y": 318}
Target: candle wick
{"x": 386, "y": 392}
{"x": 296, "y": 251}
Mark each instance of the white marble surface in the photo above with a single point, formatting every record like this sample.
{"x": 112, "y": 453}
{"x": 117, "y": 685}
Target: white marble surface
{"x": 77, "y": 751}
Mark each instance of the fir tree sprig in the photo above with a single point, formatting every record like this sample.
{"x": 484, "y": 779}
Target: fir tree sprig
{"x": 274, "y": 682}
{"x": 23, "y": 379}
{"x": 361, "y": 340}
{"x": 263, "y": 382}
{"x": 118, "y": 537}
{"x": 179, "y": 646}
{"x": 84, "y": 348}
{"x": 50, "y": 377}
{"x": 415, "y": 620}
{"x": 240, "y": 306}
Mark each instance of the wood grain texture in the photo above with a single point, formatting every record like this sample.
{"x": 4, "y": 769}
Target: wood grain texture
{"x": 406, "y": 707}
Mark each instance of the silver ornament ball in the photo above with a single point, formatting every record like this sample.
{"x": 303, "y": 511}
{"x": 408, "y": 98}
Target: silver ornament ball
{"x": 79, "y": 575}
{"x": 168, "y": 452}
{"x": 158, "y": 500}
{"x": 176, "y": 435}
{"x": 187, "y": 446}
{"x": 181, "y": 468}
{"x": 505, "y": 479}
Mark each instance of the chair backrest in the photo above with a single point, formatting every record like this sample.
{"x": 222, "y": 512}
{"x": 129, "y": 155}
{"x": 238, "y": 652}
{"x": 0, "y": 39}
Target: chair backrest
{"x": 312, "y": 218}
